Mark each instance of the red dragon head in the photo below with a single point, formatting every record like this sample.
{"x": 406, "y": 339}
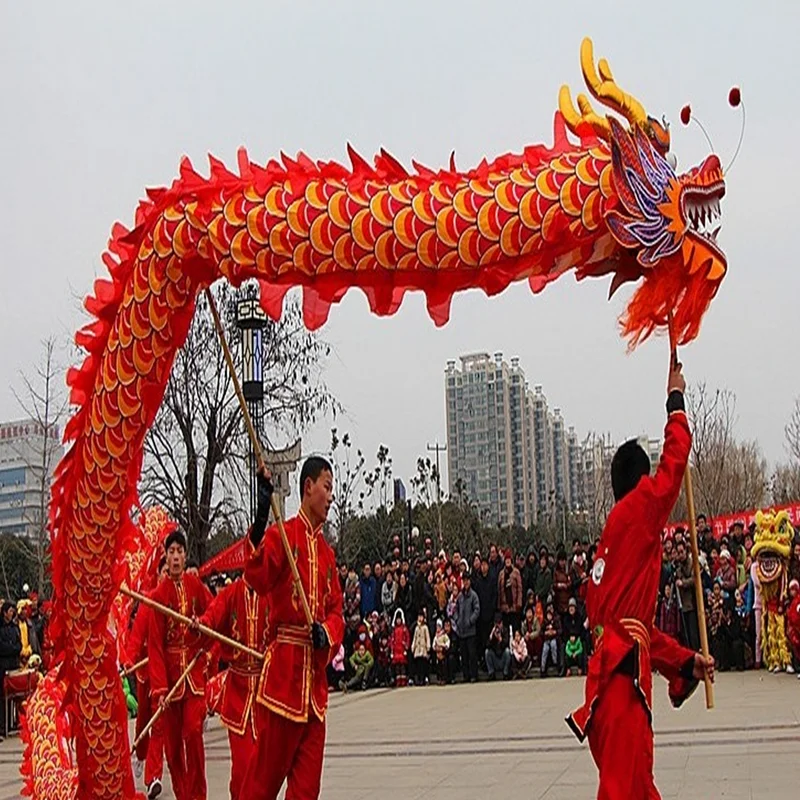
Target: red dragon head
{"x": 666, "y": 223}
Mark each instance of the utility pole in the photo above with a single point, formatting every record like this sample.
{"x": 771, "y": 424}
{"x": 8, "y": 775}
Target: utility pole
{"x": 438, "y": 448}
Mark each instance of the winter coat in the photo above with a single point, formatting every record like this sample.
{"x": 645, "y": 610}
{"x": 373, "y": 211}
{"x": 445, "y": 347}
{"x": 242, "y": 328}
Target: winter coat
{"x": 486, "y": 589}
{"x": 563, "y": 590}
{"x": 400, "y": 642}
{"x": 10, "y": 646}
{"x": 405, "y": 600}
{"x": 358, "y": 661}
{"x": 421, "y": 644}
{"x": 515, "y": 580}
{"x": 369, "y": 595}
{"x": 519, "y": 650}
{"x": 352, "y": 603}
{"x": 532, "y": 629}
{"x": 441, "y": 643}
{"x": 389, "y": 597}
{"x": 573, "y": 625}
{"x": 468, "y": 612}
{"x": 543, "y": 584}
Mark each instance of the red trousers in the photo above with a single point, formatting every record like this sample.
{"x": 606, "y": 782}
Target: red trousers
{"x": 286, "y": 751}
{"x": 183, "y": 744}
{"x": 621, "y": 741}
{"x": 151, "y": 748}
{"x": 243, "y": 749}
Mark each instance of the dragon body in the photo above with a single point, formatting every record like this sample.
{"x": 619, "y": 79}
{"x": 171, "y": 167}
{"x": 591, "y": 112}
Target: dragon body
{"x": 602, "y": 200}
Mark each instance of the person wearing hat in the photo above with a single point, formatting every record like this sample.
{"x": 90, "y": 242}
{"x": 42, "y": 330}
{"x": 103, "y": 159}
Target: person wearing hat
{"x": 620, "y": 600}
{"x": 171, "y": 648}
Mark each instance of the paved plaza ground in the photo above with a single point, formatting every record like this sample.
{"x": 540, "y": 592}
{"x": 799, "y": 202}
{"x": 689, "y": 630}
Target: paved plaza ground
{"x": 509, "y": 740}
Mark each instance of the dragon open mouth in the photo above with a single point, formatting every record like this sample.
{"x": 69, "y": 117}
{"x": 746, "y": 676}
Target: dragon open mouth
{"x": 769, "y": 566}
{"x": 701, "y": 210}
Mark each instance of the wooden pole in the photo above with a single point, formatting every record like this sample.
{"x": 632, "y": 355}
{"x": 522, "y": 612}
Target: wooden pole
{"x": 698, "y": 583}
{"x": 167, "y": 700}
{"x": 204, "y": 629}
{"x": 135, "y": 668}
{"x": 699, "y": 601}
{"x": 251, "y": 431}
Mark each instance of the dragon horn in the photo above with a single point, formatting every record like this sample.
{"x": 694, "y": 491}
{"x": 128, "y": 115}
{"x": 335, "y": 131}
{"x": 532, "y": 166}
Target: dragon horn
{"x": 575, "y": 121}
{"x": 605, "y": 89}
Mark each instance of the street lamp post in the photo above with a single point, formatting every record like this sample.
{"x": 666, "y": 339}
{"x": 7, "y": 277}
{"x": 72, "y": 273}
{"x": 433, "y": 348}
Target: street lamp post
{"x": 251, "y": 321}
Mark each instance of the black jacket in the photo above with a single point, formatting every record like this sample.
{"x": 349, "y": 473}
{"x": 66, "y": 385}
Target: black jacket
{"x": 486, "y": 589}
{"x": 10, "y": 646}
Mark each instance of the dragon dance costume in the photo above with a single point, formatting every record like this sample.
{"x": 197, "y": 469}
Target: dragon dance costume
{"x": 621, "y": 600}
{"x": 240, "y": 613}
{"x": 293, "y": 690}
{"x": 172, "y": 647}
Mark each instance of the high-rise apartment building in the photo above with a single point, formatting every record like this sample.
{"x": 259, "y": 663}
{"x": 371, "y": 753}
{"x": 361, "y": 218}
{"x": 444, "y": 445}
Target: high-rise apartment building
{"x": 513, "y": 456}
{"x": 25, "y": 453}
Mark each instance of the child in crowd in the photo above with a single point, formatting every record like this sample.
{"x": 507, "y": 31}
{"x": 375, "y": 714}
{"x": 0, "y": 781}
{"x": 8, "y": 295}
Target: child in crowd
{"x": 420, "y": 650}
{"x": 453, "y": 656}
{"x": 336, "y": 668}
{"x": 441, "y": 648}
{"x": 383, "y": 659}
{"x": 400, "y": 642}
{"x": 716, "y": 627}
{"x": 573, "y": 655}
{"x": 361, "y": 662}
{"x": 550, "y": 637}
{"x": 520, "y": 660}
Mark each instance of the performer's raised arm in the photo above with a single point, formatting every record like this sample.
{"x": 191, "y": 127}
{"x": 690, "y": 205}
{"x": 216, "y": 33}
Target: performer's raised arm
{"x": 268, "y": 559}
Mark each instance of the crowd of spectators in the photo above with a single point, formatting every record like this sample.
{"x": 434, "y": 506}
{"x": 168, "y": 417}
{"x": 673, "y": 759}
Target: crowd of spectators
{"x": 506, "y": 615}
{"x": 446, "y": 618}
{"x": 730, "y": 589}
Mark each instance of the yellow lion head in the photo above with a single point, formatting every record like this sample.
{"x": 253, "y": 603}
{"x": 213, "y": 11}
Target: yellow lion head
{"x": 773, "y": 544}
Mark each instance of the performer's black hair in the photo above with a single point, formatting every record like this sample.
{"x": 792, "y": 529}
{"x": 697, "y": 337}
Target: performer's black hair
{"x": 629, "y": 465}
{"x": 161, "y": 562}
{"x": 313, "y": 467}
{"x": 176, "y": 537}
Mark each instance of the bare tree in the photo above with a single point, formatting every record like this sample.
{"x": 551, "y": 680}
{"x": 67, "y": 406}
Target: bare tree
{"x": 196, "y": 453}
{"x": 349, "y": 489}
{"x": 598, "y": 494}
{"x": 728, "y": 474}
{"x": 785, "y": 484}
{"x": 793, "y": 432}
{"x": 44, "y": 401}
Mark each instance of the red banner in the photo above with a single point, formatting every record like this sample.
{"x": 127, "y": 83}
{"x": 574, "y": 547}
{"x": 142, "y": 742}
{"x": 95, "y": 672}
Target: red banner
{"x": 721, "y": 525}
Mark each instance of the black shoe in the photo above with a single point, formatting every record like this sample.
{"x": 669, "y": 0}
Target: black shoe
{"x": 154, "y": 789}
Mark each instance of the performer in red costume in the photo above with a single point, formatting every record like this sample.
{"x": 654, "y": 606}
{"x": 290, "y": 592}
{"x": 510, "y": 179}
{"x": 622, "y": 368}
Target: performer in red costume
{"x": 172, "y": 646}
{"x": 621, "y": 603}
{"x": 240, "y": 613}
{"x": 150, "y": 749}
{"x": 293, "y": 690}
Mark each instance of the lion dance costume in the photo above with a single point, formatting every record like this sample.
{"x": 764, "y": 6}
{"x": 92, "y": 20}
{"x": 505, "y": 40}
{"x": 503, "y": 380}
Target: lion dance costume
{"x": 771, "y": 549}
{"x": 603, "y": 200}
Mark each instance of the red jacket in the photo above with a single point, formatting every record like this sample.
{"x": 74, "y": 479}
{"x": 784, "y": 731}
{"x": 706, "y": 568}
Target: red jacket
{"x": 171, "y": 644}
{"x": 241, "y": 614}
{"x": 294, "y": 681}
{"x": 622, "y": 593}
{"x": 400, "y": 641}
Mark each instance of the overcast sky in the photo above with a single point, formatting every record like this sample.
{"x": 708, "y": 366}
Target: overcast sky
{"x": 100, "y": 100}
